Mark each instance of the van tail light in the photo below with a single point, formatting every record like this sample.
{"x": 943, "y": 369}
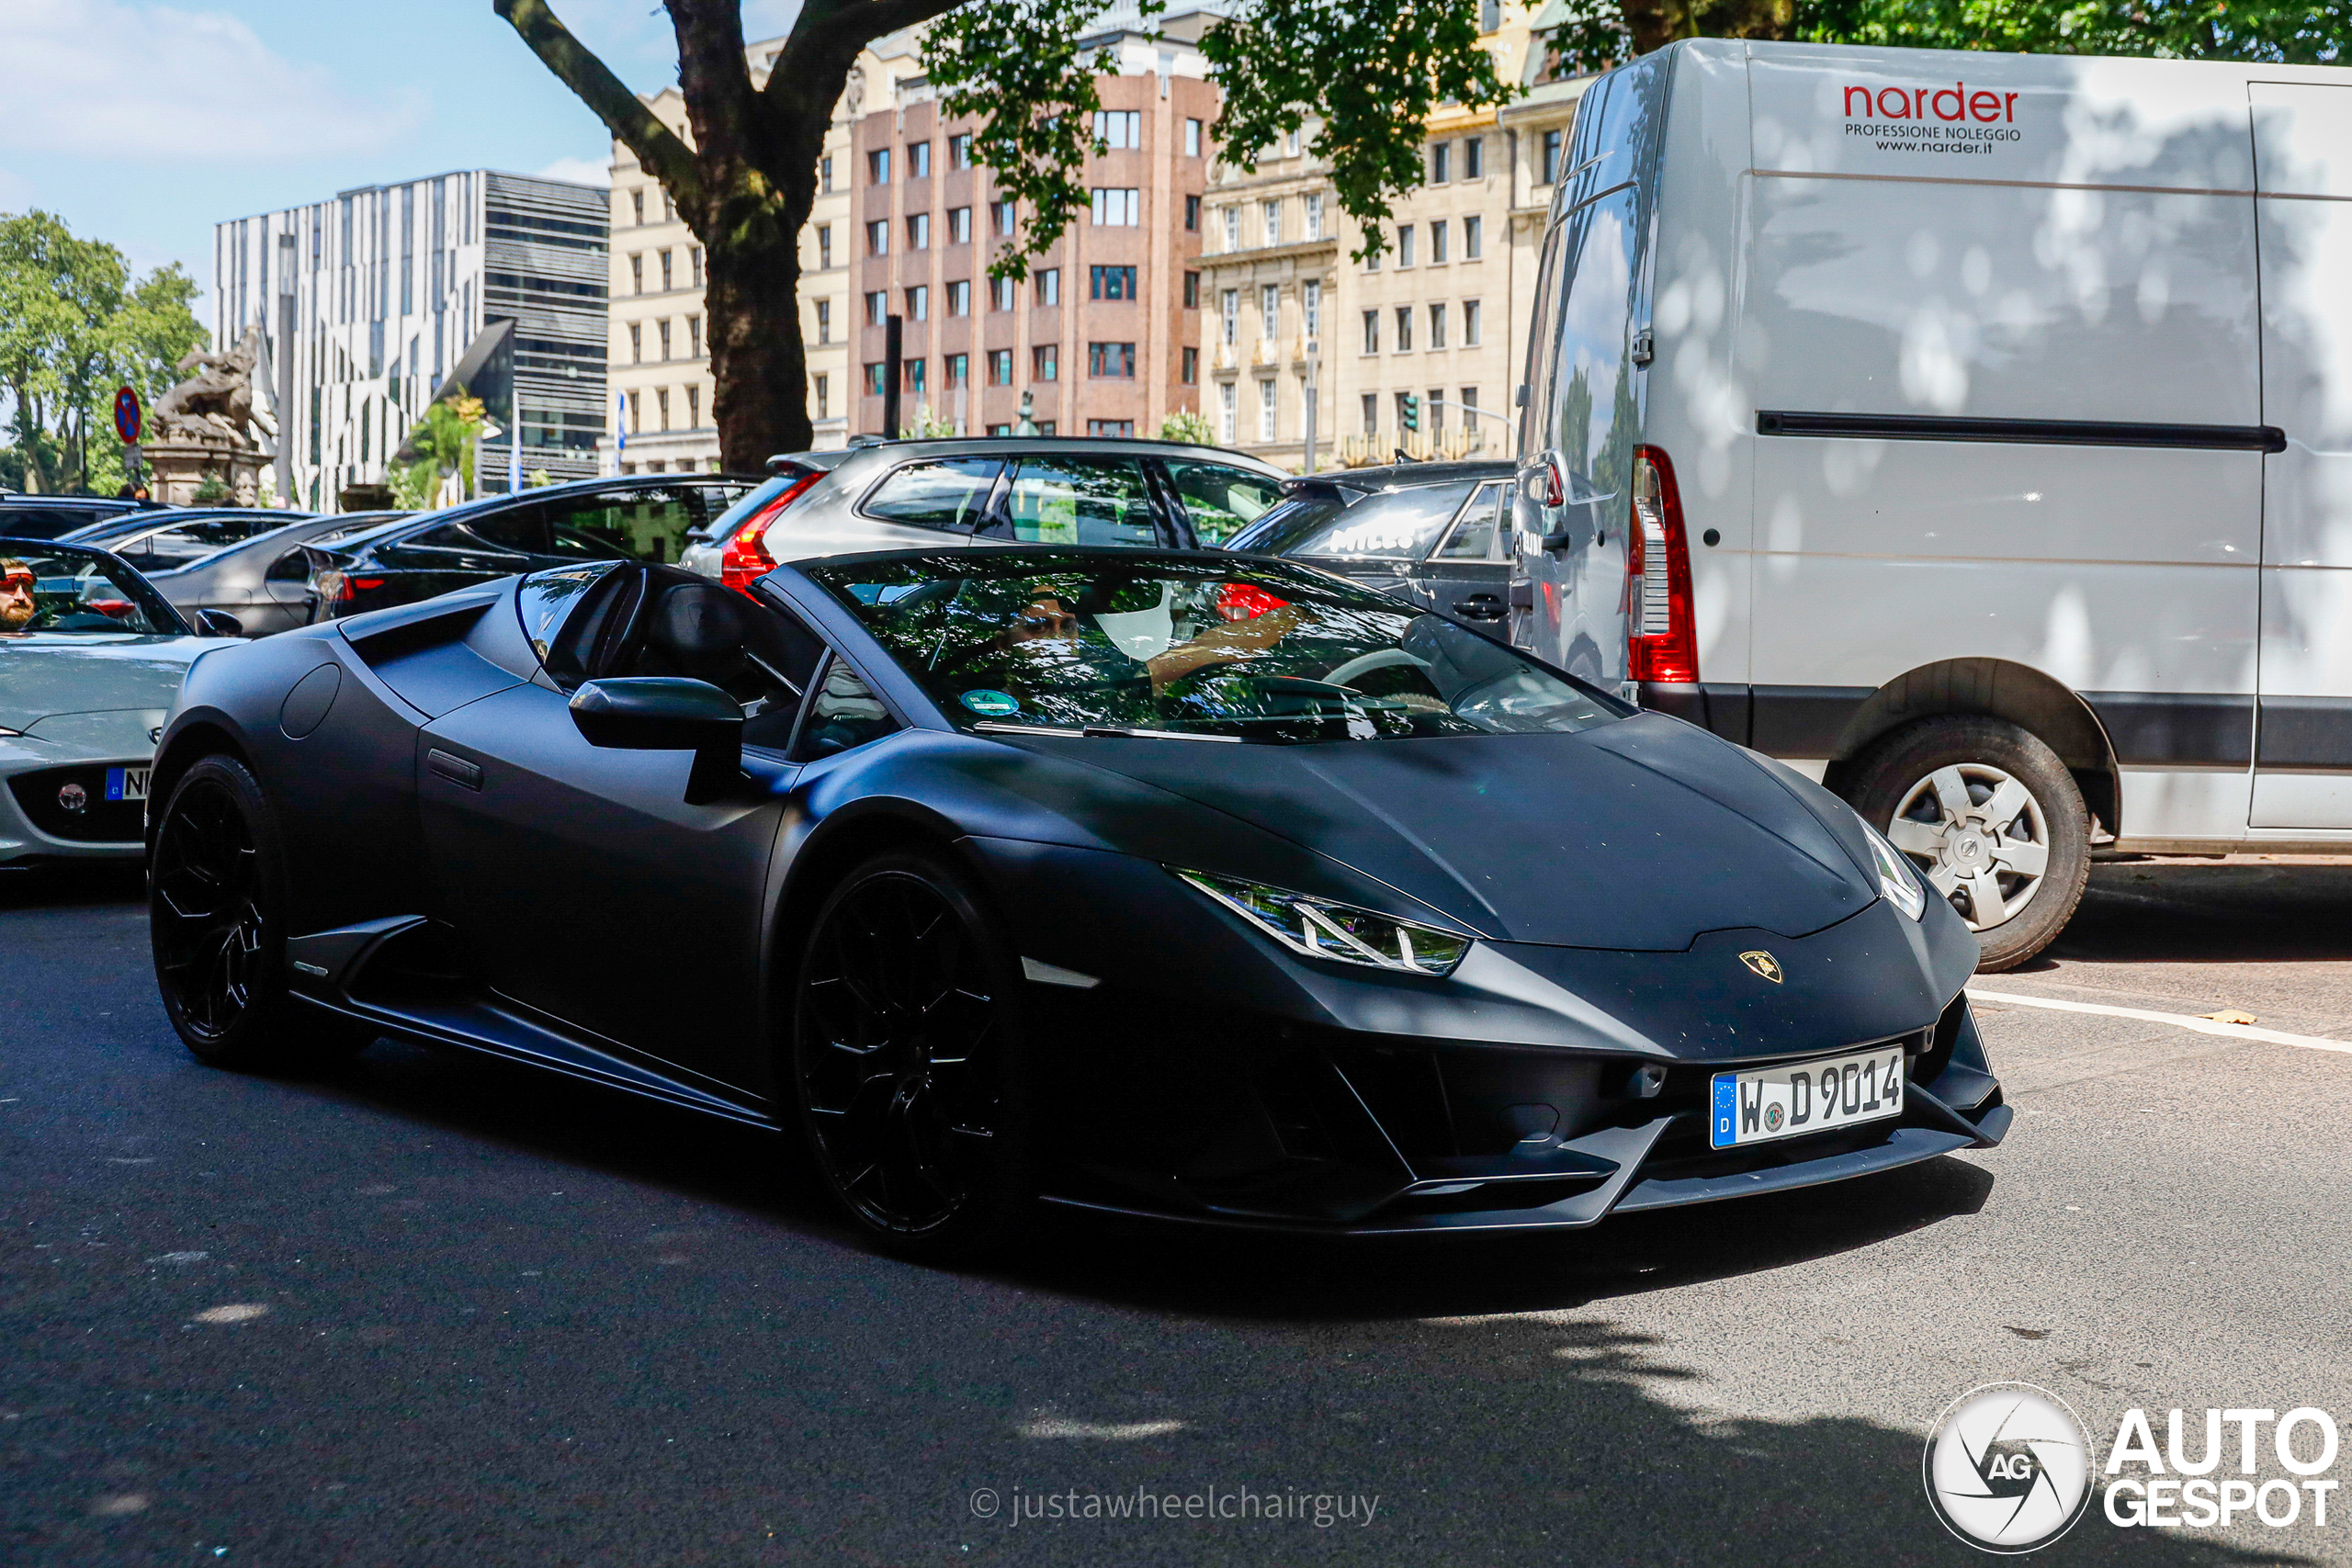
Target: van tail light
{"x": 1556, "y": 487}
{"x": 746, "y": 559}
{"x": 1661, "y": 628}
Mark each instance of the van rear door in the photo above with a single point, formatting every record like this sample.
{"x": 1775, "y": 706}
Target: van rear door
{"x": 2302, "y": 153}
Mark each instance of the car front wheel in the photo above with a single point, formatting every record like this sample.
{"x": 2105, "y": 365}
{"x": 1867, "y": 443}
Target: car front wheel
{"x": 1994, "y": 822}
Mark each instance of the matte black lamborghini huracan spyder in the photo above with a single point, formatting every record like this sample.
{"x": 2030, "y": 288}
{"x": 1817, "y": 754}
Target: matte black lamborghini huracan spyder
{"x": 1189, "y": 885}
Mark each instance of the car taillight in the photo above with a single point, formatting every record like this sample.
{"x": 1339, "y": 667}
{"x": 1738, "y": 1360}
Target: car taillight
{"x": 362, "y": 584}
{"x": 746, "y": 559}
{"x": 1661, "y": 629}
{"x": 1556, "y": 487}
{"x": 1245, "y": 601}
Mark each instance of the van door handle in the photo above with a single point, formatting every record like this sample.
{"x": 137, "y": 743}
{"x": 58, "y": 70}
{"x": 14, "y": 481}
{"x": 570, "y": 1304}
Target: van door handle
{"x": 1480, "y": 607}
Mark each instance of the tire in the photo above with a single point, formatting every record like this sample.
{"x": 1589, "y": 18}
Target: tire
{"x": 2014, "y": 880}
{"x": 907, "y": 1061}
{"x": 216, "y": 910}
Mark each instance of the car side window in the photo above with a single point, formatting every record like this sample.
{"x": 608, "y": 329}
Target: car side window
{"x": 842, "y": 712}
{"x": 294, "y": 565}
{"x": 1082, "y": 501}
{"x": 1473, "y": 536}
{"x": 1222, "y": 500}
{"x": 950, "y": 493}
{"x": 512, "y": 530}
{"x": 622, "y": 525}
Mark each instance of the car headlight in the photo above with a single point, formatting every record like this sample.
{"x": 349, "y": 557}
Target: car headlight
{"x": 1320, "y": 929}
{"x": 1899, "y": 879}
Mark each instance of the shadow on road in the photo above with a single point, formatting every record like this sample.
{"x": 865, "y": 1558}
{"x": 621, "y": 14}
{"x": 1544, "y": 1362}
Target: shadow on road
{"x": 2242, "y": 912}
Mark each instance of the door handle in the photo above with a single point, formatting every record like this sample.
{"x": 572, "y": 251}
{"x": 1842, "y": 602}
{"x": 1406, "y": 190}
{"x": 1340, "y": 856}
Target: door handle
{"x": 1480, "y": 607}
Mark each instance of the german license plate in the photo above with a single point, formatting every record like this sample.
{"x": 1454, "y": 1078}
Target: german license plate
{"x": 1764, "y": 1103}
{"x": 127, "y": 783}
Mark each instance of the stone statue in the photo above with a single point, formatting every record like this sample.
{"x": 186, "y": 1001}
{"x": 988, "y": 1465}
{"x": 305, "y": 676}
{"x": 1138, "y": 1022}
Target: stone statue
{"x": 215, "y": 402}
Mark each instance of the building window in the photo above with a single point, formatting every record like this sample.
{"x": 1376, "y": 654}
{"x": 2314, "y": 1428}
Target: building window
{"x": 959, "y": 297}
{"x": 919, "y": 231}
{"x": 1001, "y": 290}
{"x": 669, "y": 208}
{"x": 1192, "y": 139}
{"x": 959, "y": 369}
{"x": 637, "y": 413}
{"x": 665, "y": 271}
{"x": 662, "y": 329}
{"x": 1049, "y": 286}
{"x": 1437, "y": 326}
{"x": 1192, "y": 363}
{"x": 1112, "y": 361}
{"x": 1490, "y": 16}
{"x": 1551, "y": 165}
{"x": 1118, "y": 427}
{"x": 999, "y": 430}
{"x": 1003, "y": 211}
{"x": 1371, "y": 262}
{"x": 1372, "y": 331}
{"x": 919, "y": 302}
{"x": 1226, "y": 417}
{"x": 1290, "y": 144}
{"x": 1266, "y": 409}
{"x": 1403, "y": 329}
{"x": 637, "y": 207}
{"x": 1273, "y": 216}
{"x": 1404, "y": 244}
{"x": 661, "y": 405}
{"x": 1191, "y": 215}
{"x": 1045, "y": 361}
{"x": 1400, "y": 410}
{"x": 918, "y": 160}
{"x": 1229, "y": 312}
{"x": 693, "y": 408}
{"x": 959, "y": 152}
{"x": 1469, "y": 323}
{"x": 1439, "y": 232}
{"x": 878, "y": 166}
{"x": 910, "y": 375}
{"x": 877, "y": 305}
{"x": 1315, "y": 215}
{"x": 824, "y": 247}
{"x": 694, "y": 259}
{"x": 1270, "y": 305}
{"x": 637, "y": 343}
{"x": 1111, "y": 283}
{"x": 825, "y": 174}
{"x": 877, "y": 237}
{"x": 1191, "y": 291}
{"x": 1371, "y": 414}
{"x": 1000, "y": 366}
{"x": 1118, "y": 129}
{"x": 1048, "y": 427}
{"x": 1118, "y": 208}
{"x": 637, "y": 275}
{"x": 1440, "y": 161}
{"x": 824, "y": 388}
{"x": 959, "y": 226}
{"x": 1436, "y": 421}
{"x": 875, "y": 370}
{"x": 1469, "y": 406}
{"x": 824, "y": 320}
{"x": 1310, "y": 309}
{"x": 1474, "y": 237}
{"x": 1233, "y": 228}
{"x": 1473, "y": 158}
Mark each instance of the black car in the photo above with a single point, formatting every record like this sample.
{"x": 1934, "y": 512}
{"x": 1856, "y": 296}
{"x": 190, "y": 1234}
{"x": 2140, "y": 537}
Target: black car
{"x": 648, "y": 518}
{"x": 47, "y": 516}
{"x": 1437, "y": 535}
{"x": 168, "y": 539}
{"x": 1181, "y": 884}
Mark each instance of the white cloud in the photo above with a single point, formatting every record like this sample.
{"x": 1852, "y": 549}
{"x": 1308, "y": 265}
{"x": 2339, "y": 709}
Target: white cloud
{"x": 579, "y": 171}
{"x": 98, "y": 78}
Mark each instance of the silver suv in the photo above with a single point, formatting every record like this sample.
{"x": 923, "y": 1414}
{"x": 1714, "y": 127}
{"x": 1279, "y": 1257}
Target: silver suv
{"x": 893, "y": 495}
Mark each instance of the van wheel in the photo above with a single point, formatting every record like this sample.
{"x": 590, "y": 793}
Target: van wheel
{"x": 1992, "y": 820}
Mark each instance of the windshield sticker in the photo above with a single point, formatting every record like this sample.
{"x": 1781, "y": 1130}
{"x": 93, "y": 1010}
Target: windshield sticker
{"x": 993, "y": 705}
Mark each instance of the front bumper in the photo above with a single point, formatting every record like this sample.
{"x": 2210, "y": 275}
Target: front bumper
{"x": 34, "y": 829}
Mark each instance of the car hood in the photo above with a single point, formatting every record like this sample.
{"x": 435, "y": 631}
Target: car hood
{"x": 1638, "y": 835}
{"x": 43, "y": 677}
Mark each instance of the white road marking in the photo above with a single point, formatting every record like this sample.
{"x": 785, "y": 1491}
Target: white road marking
{"x": 2177, "y": 1019}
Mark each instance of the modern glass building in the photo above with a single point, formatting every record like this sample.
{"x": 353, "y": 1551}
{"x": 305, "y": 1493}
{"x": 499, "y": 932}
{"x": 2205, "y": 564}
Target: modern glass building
{"x": 382, "y": 299}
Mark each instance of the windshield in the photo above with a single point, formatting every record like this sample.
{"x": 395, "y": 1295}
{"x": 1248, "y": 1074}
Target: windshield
{"x": 61, "y": 590}
{"x": 1243, "y": 650}
{"x": 1398, "y": 524}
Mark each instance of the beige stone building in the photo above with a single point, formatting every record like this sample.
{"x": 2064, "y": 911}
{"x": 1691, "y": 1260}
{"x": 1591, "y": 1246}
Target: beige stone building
{"x": 1442, "y": 316}
{"x": 659, "y": 365}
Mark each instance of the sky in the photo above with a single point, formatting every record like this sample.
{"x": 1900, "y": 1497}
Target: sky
{"x": 144, "y": 125}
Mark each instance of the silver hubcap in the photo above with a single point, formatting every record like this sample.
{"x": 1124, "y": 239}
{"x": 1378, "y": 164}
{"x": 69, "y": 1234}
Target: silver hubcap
{"x": 1978, "y": 836}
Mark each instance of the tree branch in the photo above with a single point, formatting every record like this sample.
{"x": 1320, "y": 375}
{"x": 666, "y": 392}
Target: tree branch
{"x": 665, "y": 157}
{"x": 827, "y": 36}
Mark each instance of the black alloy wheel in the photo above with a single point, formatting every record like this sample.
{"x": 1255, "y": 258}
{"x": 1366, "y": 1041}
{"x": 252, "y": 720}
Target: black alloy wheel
{"x": 906, "y": 1056}
{"x": 216, "y": 922}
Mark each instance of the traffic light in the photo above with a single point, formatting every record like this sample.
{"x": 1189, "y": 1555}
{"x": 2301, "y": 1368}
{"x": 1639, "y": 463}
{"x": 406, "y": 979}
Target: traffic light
{"x": 1412, "y": 412}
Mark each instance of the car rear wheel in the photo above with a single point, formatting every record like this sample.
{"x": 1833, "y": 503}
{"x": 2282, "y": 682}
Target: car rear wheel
{"x": 1994, "y": 822}
{"x": 216, "y": 921}
{"x": 907, "y": 1058}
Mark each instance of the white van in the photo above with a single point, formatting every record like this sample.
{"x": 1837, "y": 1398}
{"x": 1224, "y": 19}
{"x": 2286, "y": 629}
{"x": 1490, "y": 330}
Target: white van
{"x": 1972, "y": 432}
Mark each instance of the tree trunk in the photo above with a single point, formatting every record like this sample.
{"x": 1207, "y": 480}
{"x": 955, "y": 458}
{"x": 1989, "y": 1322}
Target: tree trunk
{"x": 758, "y": 367}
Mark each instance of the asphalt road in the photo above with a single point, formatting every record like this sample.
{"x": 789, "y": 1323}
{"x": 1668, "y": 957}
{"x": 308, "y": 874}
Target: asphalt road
{"x": 434, "y": 1311}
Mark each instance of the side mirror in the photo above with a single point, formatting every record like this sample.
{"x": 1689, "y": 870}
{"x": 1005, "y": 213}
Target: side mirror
{"x": 661, "y": 713}
{"x": 218, "y": 623}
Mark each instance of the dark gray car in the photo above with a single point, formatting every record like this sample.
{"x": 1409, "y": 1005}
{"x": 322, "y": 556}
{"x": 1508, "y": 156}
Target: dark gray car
{"x": 1434, "y": 534}
{"x": 264, "y": 581}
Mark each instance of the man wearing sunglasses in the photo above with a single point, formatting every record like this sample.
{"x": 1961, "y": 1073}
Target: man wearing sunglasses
{"x": 16, "y": 607}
